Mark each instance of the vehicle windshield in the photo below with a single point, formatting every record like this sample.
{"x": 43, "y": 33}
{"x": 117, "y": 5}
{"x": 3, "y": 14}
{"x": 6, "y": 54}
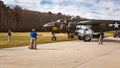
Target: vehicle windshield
{"x": 83, "y": 27}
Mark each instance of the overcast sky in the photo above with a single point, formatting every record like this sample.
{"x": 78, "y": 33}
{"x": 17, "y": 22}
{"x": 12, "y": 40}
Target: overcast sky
{"x": 92, "y": 9}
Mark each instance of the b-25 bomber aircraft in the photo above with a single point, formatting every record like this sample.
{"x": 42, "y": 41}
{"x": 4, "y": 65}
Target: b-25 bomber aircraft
{"x": 83, "y": 28}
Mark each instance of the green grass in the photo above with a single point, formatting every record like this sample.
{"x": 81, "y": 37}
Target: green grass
{"x": 23, "y": 39}
{"x": 109, "y": 33}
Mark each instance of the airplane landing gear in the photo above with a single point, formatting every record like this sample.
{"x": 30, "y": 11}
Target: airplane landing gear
{"x": 53, "y": 36}
{"x": 70, "y": 36}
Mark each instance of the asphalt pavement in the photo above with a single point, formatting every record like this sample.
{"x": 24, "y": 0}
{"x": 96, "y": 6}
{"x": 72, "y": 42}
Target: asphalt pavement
{"x": 68, "y": 54}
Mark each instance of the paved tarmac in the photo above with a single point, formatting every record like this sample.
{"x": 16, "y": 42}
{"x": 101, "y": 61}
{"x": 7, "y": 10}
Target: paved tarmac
{"x": 69, "y": 54}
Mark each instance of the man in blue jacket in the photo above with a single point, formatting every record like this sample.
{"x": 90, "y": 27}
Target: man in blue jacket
{"x": 33, "y": 36}
{"x": 101, "y": 37}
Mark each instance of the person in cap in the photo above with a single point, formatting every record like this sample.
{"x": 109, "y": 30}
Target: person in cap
{"x": 33, "y": 36}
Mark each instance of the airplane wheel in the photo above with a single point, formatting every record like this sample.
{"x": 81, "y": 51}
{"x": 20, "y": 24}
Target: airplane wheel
{"x": 53, "y": 38}
{"x": 87, "y": 38}
{"x": 80, "y": 38}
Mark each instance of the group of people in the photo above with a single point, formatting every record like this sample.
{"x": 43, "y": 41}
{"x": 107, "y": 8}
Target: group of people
{"x": 34, "y": 35}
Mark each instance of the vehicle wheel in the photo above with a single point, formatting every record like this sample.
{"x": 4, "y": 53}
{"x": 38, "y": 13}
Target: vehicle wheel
{"x": 87, "y": 38}
{"x": 80, "y": 38}
{"x": 53, "y": 38}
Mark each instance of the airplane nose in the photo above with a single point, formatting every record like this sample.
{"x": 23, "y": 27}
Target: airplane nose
{"x": 45, "y": 25}
{"x": 48, "y": 26}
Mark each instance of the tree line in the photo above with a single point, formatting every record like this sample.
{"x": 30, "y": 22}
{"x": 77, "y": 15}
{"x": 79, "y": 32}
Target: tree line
{"x": 18, "y": 19}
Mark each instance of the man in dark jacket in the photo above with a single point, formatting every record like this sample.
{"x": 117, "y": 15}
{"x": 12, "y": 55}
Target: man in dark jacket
{"x": 9, "y": 35}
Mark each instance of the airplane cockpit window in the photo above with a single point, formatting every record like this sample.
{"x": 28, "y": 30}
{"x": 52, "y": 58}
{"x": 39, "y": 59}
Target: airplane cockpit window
{"x": 52, "y": 23}
{"x": 86, "y": 27}
{"x": 61, "y": 21}
{"x": 49, "y": 24}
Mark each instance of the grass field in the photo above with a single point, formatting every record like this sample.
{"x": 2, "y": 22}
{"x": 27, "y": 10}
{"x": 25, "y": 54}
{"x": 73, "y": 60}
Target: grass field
{"x": 109, "y": 33}
{"x": 23, "y": 39}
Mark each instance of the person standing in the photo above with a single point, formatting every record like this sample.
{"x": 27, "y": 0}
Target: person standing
{"x": 9, "y": 35}
{"x": 33, "y": 36}
{"x": 101, "y": 36}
